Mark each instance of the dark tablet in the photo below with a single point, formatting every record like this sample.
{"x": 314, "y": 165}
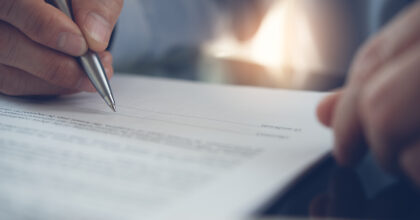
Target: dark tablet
{"x": 364, "y": 192}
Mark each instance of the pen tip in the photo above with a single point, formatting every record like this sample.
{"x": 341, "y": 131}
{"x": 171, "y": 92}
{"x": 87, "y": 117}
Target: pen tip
{"x": 110, "y": 102}
{"x": 113, "y": 108}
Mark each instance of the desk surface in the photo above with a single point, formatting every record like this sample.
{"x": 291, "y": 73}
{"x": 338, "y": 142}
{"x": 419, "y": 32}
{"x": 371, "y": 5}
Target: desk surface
{"x": 364, "y": 192}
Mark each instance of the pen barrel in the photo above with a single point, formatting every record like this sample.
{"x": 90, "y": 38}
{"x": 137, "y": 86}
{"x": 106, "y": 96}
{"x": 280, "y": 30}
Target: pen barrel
{"x": 91, "y": 64}
{"x": 65, "y": 7}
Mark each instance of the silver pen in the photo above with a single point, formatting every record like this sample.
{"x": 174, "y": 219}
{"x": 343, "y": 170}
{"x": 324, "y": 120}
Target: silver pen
{"x": 91, "y": 64}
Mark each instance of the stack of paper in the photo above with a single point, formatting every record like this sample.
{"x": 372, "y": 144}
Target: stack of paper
{"x": 174, "y": 150}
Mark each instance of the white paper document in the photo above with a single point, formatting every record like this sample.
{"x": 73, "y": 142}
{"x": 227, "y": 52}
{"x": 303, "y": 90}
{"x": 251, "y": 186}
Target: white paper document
{"x": 173, "y": 150}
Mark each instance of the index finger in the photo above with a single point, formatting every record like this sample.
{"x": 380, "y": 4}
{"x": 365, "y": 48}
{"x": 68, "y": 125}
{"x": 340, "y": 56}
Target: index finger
{"x": 45, "y": 24}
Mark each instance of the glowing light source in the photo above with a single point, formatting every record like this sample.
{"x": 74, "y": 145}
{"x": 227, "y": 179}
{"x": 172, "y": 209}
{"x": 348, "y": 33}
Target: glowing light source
{"x": 282, "y": 41}
{"x": 267, "y": 46}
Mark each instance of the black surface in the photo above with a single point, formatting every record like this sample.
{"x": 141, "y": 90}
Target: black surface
{"x": 359, "y": 193}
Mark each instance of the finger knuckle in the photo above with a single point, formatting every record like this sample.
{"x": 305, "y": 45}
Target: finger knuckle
{"x": 38, "y": 25}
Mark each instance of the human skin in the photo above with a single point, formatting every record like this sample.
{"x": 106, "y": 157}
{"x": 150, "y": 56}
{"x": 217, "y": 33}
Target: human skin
{"x": 378, "y": 109}
{"x": 38, "y": 45}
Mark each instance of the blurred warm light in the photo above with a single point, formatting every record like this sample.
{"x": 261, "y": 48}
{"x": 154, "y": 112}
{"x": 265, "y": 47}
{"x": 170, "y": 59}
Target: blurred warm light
{"x": 282, "y": 43}
{"x": 267, "y": 47}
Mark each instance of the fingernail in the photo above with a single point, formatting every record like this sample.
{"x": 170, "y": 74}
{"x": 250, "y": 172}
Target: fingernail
{"x": 98, "y": 27}
{"x": 72, "y": 44}
{"x": 85, "y": 85}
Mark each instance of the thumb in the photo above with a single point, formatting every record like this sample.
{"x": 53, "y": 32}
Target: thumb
{"x": 325, "y": 109}
{"x": 96, "y": 19}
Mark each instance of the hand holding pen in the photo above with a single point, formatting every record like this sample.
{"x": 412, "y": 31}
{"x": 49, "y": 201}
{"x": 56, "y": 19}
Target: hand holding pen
{"x": 39, "y": 43}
